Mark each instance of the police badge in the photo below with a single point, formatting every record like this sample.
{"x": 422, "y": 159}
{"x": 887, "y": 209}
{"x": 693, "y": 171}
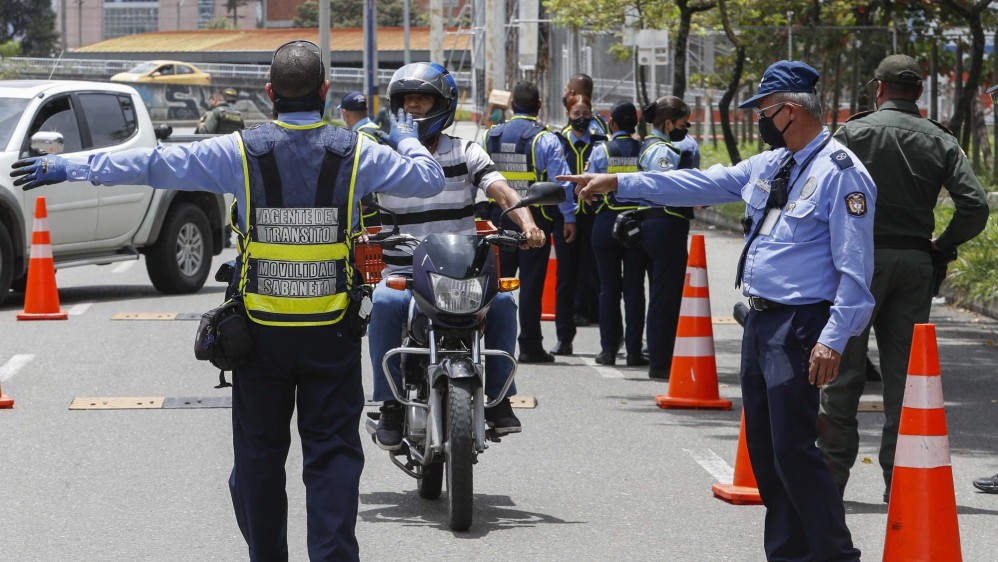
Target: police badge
{"x": 856, "y": 204}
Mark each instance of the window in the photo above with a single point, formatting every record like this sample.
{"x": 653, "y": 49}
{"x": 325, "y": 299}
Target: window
{"x": 109, "y": 120}
{"x": 181, "y": 69}
{"x": 57, "y": 116}
{"x": 127, "y": 18}
{"x": 165, "y": 70}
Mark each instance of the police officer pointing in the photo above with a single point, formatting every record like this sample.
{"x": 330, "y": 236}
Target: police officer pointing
{"x": 295, "y": 179}
{"x": 806, "y": 268}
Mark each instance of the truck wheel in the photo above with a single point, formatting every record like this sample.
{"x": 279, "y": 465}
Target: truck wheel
{"x": 6, "y": 262}
{"x": 180, "y": 259}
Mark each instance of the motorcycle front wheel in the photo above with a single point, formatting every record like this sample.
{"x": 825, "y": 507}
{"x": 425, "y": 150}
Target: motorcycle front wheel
{"x": 460, "y": 453}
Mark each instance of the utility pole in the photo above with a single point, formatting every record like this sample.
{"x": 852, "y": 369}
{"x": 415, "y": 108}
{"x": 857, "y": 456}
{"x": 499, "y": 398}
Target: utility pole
{"x": 790, "y": 35}
{"x": 324, "y": 46}
{"x": 179, "y": 4}
{"x": 371, "y": 55}
{"x": 79, "y": 23}
{"x": 495, "y": 46}
{"x": 437, "y": 31}
{"x": 62, "y": 23}
{"x": 406, "y": 56}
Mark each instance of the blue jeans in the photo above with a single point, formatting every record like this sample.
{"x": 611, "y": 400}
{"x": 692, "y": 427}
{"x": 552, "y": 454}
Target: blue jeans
{"x": 391, "y": 309}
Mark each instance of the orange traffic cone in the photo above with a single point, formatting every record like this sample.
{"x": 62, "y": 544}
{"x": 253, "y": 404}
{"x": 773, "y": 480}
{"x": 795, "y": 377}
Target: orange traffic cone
{"x": 6, "y": 402}
{"x": 743, "y": 490}
{"x": 921, "y": 517}
{"x": 41, "y": 300}
{"x": 550, "y": 286}
{"x": 693, "y": 381}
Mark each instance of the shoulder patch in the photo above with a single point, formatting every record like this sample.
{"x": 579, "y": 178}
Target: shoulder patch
{"x": 841, "y": 159}
{"x": 856, "y": 204}
{"x": 859, "y": 115}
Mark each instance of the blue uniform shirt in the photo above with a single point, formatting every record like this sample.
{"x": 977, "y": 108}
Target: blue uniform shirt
{"x": 688, "y": 144}
{"x": 659, "y": 157}
{"x": 550, "y": 157}
{"x": 821, "y": 246}
{"x": 356, "y": 126}
{"x": 216, "y": 165}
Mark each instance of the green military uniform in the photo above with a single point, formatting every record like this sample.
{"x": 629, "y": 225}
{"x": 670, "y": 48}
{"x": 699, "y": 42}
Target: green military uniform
{"x": 221, "y": 119}
{"x": 910, "y": 158}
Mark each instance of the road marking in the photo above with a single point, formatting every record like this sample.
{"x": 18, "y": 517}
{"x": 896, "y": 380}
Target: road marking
{"x": 603, "y": 370}
{"x": 715, "y": 465}
{"x": 78, "y": 309}
{"x": 123, "y": 267}
{"x": 11, "y": 367}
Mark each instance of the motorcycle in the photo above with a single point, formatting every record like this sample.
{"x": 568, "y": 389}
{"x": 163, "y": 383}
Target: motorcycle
{"x": 455, "y": 278}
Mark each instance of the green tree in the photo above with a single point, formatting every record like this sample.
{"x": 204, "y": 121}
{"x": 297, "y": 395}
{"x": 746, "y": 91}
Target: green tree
{"x": 350, "y": 13}
{"x": 8, "y": 49}
{"x": 31, "y": 23}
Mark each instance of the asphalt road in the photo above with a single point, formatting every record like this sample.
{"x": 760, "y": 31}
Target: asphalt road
{"x": 600, "y": 473}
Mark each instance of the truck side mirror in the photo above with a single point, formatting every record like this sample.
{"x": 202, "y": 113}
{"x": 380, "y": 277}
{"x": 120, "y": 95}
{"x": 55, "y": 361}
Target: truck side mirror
{"x": 47, "y": 143}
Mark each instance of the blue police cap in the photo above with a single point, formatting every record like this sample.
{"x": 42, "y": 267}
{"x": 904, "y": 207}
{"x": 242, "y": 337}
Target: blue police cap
{"x": 784, "y": 76}
{"x": 353, "y": 101}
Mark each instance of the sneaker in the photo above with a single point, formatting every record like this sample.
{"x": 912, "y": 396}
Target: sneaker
{"x": 388, "y": 435}
{"x": 502, "y": 419}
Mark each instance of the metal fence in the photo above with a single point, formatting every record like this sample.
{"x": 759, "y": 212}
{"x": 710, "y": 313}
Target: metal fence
{"x": 106, "y": 68}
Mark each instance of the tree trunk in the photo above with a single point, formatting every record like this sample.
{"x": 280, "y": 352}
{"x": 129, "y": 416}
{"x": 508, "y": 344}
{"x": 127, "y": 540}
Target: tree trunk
{"x": 730, "y": 139}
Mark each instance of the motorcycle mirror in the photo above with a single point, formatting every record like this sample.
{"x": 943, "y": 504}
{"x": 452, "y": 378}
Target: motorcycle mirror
{"x": 543, "y": 193}
{"x": 371, "y": 201}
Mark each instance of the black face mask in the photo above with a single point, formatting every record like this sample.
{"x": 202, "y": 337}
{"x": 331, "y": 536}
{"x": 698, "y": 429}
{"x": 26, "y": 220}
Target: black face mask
{"x": 769, "y": 133}
{"x": 677, "y": 134}
{"x": 581, "y": 124}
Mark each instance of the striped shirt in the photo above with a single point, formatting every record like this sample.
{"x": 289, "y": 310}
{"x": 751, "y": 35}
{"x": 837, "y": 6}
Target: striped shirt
{"x": 467, "y": 168}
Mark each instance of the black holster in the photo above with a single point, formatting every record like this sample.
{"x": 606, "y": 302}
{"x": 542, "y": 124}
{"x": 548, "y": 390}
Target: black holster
{"x": 224, "y": 337}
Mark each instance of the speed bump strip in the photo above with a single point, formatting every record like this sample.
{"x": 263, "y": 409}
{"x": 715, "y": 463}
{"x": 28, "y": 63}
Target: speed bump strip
{"x": 145, "y": 316}
{"x": 523, "y": 401}
{"x": 724, "y": 320}
{"x": 117, "y": 403}
{"x": 198, "y": 402}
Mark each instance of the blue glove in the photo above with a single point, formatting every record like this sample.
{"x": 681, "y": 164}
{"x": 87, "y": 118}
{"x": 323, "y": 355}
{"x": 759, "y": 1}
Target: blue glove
{"x": 36, "y": 172}
{"x": 402, "y": 128}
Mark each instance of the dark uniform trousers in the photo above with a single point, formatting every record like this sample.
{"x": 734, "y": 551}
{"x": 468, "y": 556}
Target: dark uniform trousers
{"x": 569, "y": 256}
{"x": 612, "y": 260}
{"x": 664, "y": 242}
{"x": 805, "y": 518}
{"x": 902, "y": 289}
{"x": 533, "y": 266}
{"x": 587, "y": 289}
{"x": 319, "y": 369}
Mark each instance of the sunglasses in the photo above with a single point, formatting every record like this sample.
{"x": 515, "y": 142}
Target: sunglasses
{"x": 308, "y": 45}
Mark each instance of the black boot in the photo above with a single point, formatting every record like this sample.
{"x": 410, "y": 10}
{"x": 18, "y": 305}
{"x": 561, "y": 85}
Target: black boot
{"x": 502, "y": 419}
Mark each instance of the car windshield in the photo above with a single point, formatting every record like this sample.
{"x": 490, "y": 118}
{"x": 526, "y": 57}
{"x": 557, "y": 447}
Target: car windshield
{"x": 10, "y": 113}
{"x": 143, "y": 68}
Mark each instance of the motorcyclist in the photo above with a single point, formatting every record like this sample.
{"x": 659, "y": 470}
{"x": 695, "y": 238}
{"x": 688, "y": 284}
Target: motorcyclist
{"x": 429, "y": 93}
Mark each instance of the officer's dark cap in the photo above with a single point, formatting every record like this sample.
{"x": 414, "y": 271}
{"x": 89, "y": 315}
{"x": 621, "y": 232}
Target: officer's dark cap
{"x": 784, "y": 76}
{"x": 353, "y": 101}
{"x": 899, "y": 69}
{"x": 625, "y": 115}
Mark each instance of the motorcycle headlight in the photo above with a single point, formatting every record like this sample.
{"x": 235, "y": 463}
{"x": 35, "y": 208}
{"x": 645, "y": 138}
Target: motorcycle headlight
{"x": 457, "y": 295}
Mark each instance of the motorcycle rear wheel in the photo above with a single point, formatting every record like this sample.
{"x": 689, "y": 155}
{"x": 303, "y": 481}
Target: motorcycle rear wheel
{"x": 460, "y": 454}
{"x": 431, "y": 481}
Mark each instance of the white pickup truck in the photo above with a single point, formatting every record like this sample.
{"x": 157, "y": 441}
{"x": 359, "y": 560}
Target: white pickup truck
{"x": 177, "y": 231}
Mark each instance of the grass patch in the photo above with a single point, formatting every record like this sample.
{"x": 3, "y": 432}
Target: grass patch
{"x": 973, "y": 272}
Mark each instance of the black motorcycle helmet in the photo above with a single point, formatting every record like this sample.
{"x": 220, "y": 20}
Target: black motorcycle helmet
{"x": 431, "y": 79}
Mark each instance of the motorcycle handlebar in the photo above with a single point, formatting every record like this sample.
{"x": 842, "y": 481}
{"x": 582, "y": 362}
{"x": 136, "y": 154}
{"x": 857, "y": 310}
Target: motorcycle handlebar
{"x": 507, "y": 240}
